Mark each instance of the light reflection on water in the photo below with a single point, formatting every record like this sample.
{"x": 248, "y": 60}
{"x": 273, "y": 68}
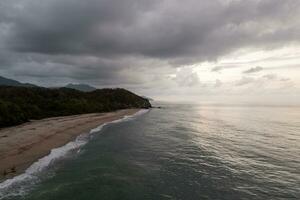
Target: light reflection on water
{"x": 187, "y": 152}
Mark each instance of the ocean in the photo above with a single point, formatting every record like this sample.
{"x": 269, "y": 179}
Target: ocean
{"x": 182, "y": 152}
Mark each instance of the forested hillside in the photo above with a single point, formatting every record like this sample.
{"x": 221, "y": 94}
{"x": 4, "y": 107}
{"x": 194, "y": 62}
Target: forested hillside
{"x": 21, "y": 104}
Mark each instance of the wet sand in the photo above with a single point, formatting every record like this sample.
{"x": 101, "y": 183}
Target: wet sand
{"x": 22, "y": 145}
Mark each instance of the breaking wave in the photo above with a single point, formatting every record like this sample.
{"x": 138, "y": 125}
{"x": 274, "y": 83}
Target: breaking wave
{"x": 19, "y": 185}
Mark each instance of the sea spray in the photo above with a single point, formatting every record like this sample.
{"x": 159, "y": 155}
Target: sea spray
{"x": 19, "y": 185}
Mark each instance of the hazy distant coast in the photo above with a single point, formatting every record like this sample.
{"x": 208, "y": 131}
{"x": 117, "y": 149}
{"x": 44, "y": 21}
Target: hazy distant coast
{"x": 22, "y": 145}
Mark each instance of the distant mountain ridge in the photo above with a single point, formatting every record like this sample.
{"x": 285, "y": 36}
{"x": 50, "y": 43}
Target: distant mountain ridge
{"x": 81, "y": 87}
{"x": 10, "y": 82}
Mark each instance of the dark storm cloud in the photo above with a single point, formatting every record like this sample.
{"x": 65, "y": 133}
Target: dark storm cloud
{"x": 99, "y": 38}
{"x": 150, "y": 28}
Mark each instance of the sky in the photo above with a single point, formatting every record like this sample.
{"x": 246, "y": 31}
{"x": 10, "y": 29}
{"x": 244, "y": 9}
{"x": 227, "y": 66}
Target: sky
{"x": 194, "y": 50}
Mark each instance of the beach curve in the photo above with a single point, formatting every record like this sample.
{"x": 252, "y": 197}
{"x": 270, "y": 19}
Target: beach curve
{"x": 23, "y": 145}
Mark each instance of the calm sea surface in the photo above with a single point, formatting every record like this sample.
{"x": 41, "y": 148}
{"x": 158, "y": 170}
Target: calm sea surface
{"x": 185, "y": 152}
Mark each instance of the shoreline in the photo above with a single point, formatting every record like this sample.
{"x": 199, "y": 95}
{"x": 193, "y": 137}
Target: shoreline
{"x": 22, "y": 145}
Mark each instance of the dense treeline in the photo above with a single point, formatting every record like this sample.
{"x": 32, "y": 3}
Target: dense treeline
{"x": 20, "y": 104}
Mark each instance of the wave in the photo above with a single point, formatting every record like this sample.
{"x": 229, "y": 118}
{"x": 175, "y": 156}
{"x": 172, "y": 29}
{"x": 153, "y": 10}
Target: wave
{"x": 20, "y": 184}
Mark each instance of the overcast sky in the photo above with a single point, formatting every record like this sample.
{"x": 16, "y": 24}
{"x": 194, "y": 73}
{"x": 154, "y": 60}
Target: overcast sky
{"x": 197, "y": 50}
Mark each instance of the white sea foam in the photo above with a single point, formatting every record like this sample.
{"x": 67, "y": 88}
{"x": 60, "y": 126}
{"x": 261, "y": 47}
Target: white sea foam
{"x": 18, "y": 185}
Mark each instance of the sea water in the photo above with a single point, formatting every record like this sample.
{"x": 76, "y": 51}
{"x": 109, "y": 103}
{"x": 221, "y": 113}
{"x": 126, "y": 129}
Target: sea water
{"x": 177, "y": 152}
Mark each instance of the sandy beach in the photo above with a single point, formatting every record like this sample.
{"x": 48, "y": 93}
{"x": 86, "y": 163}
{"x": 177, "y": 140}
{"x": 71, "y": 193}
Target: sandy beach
{"x": 22, "y": 145}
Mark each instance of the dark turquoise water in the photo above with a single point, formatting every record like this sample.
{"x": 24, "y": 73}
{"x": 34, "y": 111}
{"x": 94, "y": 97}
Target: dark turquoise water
{"x": 179, "y": 152}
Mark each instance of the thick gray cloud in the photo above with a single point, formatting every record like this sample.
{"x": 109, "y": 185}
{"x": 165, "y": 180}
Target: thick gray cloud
{"x": 103, "y": 39}
{"x": 270, "y": 76}
{"x": 245, "y": 81}
{"x": 150, "y": 28}
{"x": 263, "y": 80}
{"x": 221, "y": 68}
{"x": 217, "y": 68}
{"x": 253, "y": 70}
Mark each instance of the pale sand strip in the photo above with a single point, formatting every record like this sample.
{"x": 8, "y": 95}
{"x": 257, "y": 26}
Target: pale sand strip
{"x": 22, "y": 145}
